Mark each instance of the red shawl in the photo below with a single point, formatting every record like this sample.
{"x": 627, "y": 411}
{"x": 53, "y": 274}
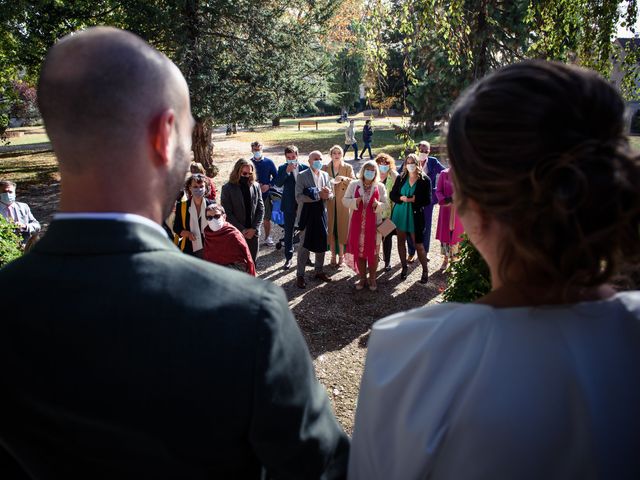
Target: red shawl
{"x": 355, "y": 229}
{"x": 227, "y": 246}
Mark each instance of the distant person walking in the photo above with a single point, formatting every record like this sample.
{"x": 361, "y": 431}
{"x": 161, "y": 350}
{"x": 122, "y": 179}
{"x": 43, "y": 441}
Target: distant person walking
{"x": 367, "y": 137}
{"x": 350, "y": 139}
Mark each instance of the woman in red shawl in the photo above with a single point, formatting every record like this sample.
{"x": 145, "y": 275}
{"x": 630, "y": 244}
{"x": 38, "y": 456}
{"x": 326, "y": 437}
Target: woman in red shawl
{"x": 367, "y": 199}
{"x": 224, "y": 244}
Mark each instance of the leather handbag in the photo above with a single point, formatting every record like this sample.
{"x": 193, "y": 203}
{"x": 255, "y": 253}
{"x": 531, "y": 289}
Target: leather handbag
{"x": 386, "y": 227}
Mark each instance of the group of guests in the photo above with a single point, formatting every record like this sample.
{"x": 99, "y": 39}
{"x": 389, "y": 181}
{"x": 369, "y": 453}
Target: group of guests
{"x": 156, "y": 364}
{"x": 328, "y": 208}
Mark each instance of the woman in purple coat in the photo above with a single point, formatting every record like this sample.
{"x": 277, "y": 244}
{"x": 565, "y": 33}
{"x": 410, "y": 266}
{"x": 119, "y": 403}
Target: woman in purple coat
{"x": 449, "y": 226}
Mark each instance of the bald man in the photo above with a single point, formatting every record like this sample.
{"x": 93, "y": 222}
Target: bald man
{"x": 135, "y": 360}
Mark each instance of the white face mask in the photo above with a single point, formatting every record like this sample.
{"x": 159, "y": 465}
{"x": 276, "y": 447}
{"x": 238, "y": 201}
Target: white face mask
{"x": 216, "y": 224}
{"x": 423, "y": 156}
{"x": 411, "y": 167}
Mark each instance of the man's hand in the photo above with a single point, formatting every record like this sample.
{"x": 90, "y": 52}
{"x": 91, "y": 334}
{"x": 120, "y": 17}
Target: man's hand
{"x": 291, "y": 167}
{"x": 264, "y": 187}
{"x": 325, "y": 192}
{"x": 249, "y": 233}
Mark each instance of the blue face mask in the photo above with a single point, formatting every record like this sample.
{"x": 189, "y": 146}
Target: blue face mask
{"x": 292, "y": 162}
{"x": 7, "y": 198}
{"x": 317, "y": 164}
{"x": 369, "y": 174}
{"x": 384, "y": 168}
{"x": 257, "y": 155}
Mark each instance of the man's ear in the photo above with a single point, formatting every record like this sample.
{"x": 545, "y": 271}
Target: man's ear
{"x": 162, "y": 129}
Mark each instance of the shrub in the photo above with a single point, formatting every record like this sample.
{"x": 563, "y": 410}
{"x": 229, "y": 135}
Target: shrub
{"x": 469, "y": 276}
{"x": 9, "y": 242}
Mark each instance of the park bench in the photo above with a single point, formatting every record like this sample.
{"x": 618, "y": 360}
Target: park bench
{"x": 307, "y": 123}
{"x": 14, "y": 133}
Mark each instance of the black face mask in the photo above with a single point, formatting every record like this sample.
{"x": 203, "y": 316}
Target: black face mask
{"x": 244, "y": 180}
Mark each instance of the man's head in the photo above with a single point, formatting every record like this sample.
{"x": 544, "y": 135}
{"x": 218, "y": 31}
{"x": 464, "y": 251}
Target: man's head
{"x": 7, "y": 192}
{"x": 291, "y": 154}
{"x": 315, "y": 160}
{"x": 256, "y": 150}
{"x": 424, "y": 147}
{"x": 352, "y": 122}
{"x": 116, "y": 108}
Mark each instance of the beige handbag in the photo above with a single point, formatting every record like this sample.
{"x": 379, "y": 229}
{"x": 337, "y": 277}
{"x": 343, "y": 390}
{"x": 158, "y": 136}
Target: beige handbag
{"x": 386, "y": 227}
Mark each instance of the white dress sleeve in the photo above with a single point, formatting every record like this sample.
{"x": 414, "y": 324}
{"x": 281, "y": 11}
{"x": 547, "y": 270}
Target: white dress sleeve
{"x": 415, "y": 368}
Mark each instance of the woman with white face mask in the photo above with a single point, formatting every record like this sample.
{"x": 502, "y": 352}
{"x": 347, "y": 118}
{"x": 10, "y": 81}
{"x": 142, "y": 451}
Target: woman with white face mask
{"x": 411, "y": 192}
{"x": 224, "y": 244}
{"x": 367, "y": 199}
{"x": 189, "y": 221}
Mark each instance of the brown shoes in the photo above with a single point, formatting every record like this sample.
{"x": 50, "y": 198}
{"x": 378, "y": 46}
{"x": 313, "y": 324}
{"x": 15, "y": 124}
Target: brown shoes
{"x": 322, "y": 276}
{"x": 300, "y": 283}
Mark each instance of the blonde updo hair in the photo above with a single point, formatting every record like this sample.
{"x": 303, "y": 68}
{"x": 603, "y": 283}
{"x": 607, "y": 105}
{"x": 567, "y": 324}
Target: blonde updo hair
{"x": 542, "y": 148}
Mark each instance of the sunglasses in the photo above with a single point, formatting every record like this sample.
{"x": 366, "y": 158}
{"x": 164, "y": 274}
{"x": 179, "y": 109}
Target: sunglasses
{"x": 211, "y": 217}
{"x": 245, "y": 174}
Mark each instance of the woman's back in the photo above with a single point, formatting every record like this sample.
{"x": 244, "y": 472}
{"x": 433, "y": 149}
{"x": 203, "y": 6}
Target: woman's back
{"x": 471, "y": 391}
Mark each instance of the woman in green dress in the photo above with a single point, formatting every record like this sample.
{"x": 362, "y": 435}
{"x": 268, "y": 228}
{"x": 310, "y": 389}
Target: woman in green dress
{"x": 411, "y": 192}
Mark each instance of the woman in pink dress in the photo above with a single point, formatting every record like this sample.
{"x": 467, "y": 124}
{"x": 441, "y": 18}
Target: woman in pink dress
{"x": 449, "y": 226}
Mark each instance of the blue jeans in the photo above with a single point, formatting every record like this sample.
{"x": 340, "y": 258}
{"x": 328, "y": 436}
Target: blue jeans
{"x": 367, "y": 146}
{"x": 355, "y": 148}
{"x": 289, "y": 220}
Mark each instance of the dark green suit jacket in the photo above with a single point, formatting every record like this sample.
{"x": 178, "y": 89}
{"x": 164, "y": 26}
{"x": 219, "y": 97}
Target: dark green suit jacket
{"x": 123, "y": 358}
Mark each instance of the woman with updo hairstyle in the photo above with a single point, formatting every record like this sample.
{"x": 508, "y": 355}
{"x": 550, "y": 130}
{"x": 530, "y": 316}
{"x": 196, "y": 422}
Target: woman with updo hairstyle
{"x": 541, "y": 377}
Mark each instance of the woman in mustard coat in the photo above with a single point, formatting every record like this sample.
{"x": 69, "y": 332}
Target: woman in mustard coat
{"x": 341, "y": 174}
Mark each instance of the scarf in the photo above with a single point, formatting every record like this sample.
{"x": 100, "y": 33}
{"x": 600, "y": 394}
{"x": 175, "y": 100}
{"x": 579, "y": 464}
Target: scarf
{"x": 362, "y": 243}
{"x": 227, "y": 246}
{"x": 195, "y": 221}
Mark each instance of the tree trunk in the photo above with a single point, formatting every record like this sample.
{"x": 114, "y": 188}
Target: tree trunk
{"x": 203, "y": 144}
{"x": 275, "y": 122}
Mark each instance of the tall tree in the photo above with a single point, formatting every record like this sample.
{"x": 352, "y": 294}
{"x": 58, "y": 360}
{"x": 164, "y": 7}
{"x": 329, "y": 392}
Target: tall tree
{"x": 244, "y": 60}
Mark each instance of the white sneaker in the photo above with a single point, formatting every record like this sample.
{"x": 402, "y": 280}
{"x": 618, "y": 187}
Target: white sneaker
{"x": 269, "y": 241}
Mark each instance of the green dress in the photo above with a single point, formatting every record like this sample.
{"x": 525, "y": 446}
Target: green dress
{"x": 402, "y": 214}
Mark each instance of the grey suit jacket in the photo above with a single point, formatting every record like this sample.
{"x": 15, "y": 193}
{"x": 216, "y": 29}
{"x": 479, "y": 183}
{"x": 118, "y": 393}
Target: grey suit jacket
{"x": 305, "y": 180}
{"x": 233, "y": 203}
{"x": 137, "y": 361}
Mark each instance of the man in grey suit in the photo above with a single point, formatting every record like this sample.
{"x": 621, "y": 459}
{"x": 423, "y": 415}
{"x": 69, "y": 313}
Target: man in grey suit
{"x": 313, "y": 189}
{"x": 136, "y": 361}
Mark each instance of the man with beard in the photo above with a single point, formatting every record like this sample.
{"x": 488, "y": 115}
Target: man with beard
{"x": 136, "y": 361}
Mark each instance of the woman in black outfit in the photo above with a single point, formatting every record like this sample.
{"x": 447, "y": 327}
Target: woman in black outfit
{"x": 411, "y": 192}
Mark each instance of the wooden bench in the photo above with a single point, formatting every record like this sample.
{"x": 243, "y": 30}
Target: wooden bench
{"x": 307, "y": 123}
{"x": 14, "y": 133}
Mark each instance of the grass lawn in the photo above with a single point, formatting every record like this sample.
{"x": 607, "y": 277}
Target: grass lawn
{"x": 635, "y": 142}
{"x": 331, "y": 133}
{"x": 29, "y": 168}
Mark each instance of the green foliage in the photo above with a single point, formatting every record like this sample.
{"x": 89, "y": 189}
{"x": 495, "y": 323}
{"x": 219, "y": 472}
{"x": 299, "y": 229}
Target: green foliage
{"x": 347, "y": 73}
{"x": 470, "y": 278}
{"x": 9, "y": 242}
{"x": 445, "y": 45}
